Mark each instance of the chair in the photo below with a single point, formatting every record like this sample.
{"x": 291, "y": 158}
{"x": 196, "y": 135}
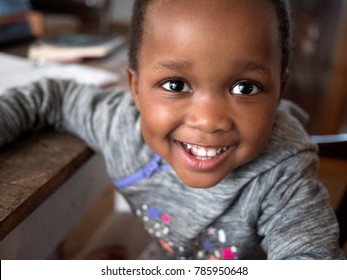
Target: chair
{"x": 335, "y": 147}
{"x": 332, "y": 145}
{"x": 90, "y": 12}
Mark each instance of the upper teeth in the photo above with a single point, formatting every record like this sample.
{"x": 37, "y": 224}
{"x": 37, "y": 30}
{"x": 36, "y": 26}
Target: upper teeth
{"x": 201, "y": 151}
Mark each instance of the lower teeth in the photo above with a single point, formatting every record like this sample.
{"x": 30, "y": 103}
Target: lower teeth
{"x": 202, "y": 158}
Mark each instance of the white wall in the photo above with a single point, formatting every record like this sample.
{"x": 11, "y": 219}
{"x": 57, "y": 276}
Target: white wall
{"x": 122, "y": 10}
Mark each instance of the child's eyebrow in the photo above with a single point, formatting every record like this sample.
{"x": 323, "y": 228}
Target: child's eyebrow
{"x": 241, "y": 66}
{"x": 250, "y": 66}
{"x": 172, "y": 65}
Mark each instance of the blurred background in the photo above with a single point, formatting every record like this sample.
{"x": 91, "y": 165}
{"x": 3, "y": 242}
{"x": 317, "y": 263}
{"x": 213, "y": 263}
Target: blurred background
{"x": 319, "y": 67}
{"x": 317, "y": 83}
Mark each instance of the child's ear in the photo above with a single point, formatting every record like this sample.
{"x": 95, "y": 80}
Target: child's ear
{"x": 133, "y": 85}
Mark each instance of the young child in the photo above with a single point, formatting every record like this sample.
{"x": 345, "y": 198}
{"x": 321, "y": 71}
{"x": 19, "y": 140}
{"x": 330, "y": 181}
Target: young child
{"x": 210, "y": 160}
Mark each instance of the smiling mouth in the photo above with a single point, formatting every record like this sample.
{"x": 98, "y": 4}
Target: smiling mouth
{"x": 204, "y": 153}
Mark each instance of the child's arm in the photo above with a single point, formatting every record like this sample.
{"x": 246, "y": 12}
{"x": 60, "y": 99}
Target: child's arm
{"x": 88, "y": 112}
{"x": 297, "y": 221}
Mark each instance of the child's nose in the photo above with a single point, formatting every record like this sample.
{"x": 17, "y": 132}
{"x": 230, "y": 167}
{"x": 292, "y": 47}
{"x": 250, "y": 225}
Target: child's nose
{"x": 210, "y": 116}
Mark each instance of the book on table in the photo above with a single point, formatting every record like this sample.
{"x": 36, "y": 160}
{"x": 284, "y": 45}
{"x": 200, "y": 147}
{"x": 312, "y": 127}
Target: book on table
{"x": 17, "y": 71}
{"x": 73, "y": 47}
{"x": 14, "y": 25}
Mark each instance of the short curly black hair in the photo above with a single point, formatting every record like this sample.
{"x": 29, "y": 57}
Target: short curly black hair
{"x": 282, "y": 8}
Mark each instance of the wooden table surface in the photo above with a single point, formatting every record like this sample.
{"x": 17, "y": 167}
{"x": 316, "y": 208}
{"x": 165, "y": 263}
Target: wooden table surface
{"x": 31, "y": 169}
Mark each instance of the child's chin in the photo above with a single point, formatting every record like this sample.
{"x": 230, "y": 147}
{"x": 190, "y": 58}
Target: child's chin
{"x": 200, "y": 183}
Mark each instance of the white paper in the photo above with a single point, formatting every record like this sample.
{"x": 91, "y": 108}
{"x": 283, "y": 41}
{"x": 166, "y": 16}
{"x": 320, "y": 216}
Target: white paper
{"x": 16, "y": 71}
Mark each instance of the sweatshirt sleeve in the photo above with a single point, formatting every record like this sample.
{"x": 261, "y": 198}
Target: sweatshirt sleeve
{"x": 88, "y": 112}
{"x": 296, "y": 220}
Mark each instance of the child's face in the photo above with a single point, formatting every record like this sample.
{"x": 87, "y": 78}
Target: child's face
{"x": 208, "y": 84}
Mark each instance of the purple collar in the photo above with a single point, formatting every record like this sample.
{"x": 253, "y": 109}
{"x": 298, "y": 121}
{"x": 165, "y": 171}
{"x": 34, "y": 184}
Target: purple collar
{"x": 144, "y": 173}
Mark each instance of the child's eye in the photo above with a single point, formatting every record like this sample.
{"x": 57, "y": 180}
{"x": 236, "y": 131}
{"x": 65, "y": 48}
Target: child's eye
{"x": 245, "y": 88}
{"x": 176, "y": 85}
